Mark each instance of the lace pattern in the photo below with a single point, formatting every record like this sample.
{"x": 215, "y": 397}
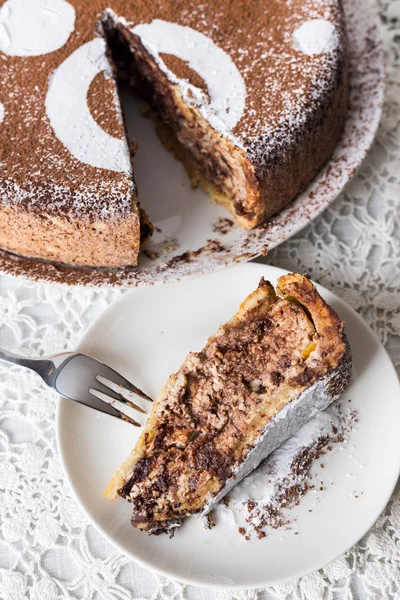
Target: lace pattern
{"x": 48, "y": 551}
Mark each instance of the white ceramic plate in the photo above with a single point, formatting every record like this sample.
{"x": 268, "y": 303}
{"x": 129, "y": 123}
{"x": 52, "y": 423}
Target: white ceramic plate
{"x": 146, "y": 335}
{"x": 188, "y": 240}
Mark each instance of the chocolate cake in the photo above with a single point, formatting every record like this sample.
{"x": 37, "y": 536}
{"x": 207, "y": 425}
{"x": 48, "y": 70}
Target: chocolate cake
{"x": 251, "y": 96}
{"x": 280, "y": 360}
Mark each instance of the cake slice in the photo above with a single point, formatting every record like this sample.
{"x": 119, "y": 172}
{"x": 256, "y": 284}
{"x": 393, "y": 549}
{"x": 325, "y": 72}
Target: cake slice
{"x": 282, "y": 358}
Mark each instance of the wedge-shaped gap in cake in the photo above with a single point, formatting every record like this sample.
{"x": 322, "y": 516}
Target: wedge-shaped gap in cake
{"x": 211, "y": 159}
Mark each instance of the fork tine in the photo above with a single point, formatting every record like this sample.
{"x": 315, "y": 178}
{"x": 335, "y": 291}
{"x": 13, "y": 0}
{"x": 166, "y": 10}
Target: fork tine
{"x": 104, "y": 382}
{"x": 115, "y": 377}
{"x": 129, "y": 420}
{"x": 104, "y": 407}
{"x": 138, "y": 391}
{"x": 101, "y": 406}
{"x": 111, "y": 409}
{"x": 108, "y": 391}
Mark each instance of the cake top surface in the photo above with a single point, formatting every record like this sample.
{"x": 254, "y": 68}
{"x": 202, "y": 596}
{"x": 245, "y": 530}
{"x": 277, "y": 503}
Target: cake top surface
{"x": 62, "y": 145}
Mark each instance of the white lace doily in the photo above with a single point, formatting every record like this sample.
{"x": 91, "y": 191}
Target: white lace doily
{"x": 48, "y": 551}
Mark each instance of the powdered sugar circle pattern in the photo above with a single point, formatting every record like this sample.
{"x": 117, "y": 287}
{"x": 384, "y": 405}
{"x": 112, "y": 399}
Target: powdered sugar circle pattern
{"x": 2, "y": 111}
{"x": 316, "y": 37}
{"x": 35, "y": 27}
{"x": 226, "y": 87}
{"x": 69, "y": 114}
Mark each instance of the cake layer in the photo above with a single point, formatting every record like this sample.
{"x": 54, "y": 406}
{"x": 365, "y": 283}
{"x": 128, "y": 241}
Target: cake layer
{"x": 274, "y": 365}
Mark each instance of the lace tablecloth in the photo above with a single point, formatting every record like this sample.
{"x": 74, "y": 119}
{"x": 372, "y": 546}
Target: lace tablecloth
{"x": 48, "y": 551}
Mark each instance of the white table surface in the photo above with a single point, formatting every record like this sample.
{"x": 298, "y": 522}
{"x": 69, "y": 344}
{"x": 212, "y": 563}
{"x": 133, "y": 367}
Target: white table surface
{"x": 48, "y": 551}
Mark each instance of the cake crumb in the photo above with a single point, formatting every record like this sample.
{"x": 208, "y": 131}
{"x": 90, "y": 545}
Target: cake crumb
{"x": 208, "y": 521}
{"x": 223, "y": 225}
{"x": 288, "y": 475}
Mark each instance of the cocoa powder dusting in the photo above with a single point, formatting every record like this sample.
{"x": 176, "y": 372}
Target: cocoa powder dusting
{"x": 32, "y": 139}
{"x": 100, "y": 97}
{"x": 39, "y": 172}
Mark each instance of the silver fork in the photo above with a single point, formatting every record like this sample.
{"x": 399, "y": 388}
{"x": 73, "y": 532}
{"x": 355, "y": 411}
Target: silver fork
{"x": 86, "y": 380}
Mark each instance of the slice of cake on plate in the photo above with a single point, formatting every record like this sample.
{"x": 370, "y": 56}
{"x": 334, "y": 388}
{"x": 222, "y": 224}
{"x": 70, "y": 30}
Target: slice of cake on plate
{"x": 282, "y": 358}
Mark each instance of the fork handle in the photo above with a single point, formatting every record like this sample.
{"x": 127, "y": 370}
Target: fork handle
{"x": 39, "y": 366}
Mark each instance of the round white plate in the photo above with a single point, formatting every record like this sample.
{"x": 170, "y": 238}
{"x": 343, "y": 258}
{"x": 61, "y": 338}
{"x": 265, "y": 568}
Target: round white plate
{"x": 188, "y": 239}
{"x": 146, "y": 335}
